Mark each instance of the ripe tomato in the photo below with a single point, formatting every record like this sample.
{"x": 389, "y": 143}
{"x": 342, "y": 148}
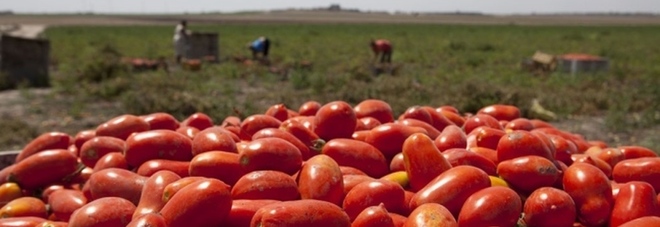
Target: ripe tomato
{"x": 379, "y": 191}
{"x": 528, "y": 173}
{"x": 480, "y": 120}
{"x": 270, "y": 154}
{"x": 148, "y": 220}
{"x": 521, "y": 143}
{"x": 519, "y": 124}
{"x": 24, "y": 207}
{"x": 220, "y": 165}
{"x": 111, "y": 160}
{"x": 115, "y": 182}
{"x": 430, "y": 214}
{"x": 309, "y": 108}
{"x": 321, "y": 178}
{"x": 373, "y": 216}
{"x": 45, "y": 141}
{"x": 95, "y": 148}
{"x": 549, "y": 207}
{"x": 199, "y": 121}
{"x": 157, "y": 144}
{"x": 378, "y": 109}
{"x": 161, "y": 120}
{"x": 254, "y": 123}
{"x": 109, "y": 211}
{"x": 276, "y": 132}
{"x": 122, "y": 126}
{"x": 501, "y": 112}
{"x": 44, "y": 168}
{"x": 422, "y": 160}
{"x": 638, "y": 169}
{"x": 152, "y": 192}
{"x": 266, "y": 184}
{"x": 213, "y": 139}
{"x": 458, "y": 156}
{"x": 357, "y": 154}
{"x": 591, "y": 191}
{"x": 301, "y": 213}
{"x": 64, "y": 202}
{"x": 451, "y": 137}
{"x": 388, "y": 138}
{"x": 630, "y": 152}
{"x": 635, "y": 199}
{"x": 335, "y": 120}
{"x": 242, "y": 211}
{"x": 205, "y": 202}
{"x": 278, "y": 111}
{"x": 492, "y": 206}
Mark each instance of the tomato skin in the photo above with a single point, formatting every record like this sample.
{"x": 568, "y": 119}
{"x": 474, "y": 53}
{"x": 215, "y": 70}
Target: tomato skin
{"x": 519, "y": 124}
{"x": 521, "y": 143}
{"x": 81, "y": 137}
{"x": 266, "y": 184}
{"x": 152, "y": 192}
{"x": 174, "y": 187}
{"x": 44, "y": 168}
{"x": 375, "y": 216}
{"x": 53, "y": 224}
{"x": 256, "y": 122}
{"x": 528, "y": 173}
{"x": 492, "y": 206}
{"x": 501, "y": 112}
{"x": 304, "y": 134}
{"x": 150, "y": 167}
{"x": 111, "y": 160}
{"x": 368, "y": 123}
{"x": 278, "y": 111}
{"x": 549, "y": 207}
{"x": 203, "y": 203}
{"x": 454, "y": 117}
{"x": 602, "y": 165}
{"x": 458, "y": 156}
{"x": 431, "y": 131}
{"x": 417, "y": 113}
{"x": 611, "y": 156}
{"x": 199, "y": 121}
{"x": 114, "y": 182}
{"x": 591, "y": 191}
{"x": 380, "y": 191}
{"x": 309, "y": 108}
{"x": 451, "y": 137}
{"x": 95, "y": 148}
{"x": 484, "y": 137}
{"x": 148, "y": 220}
{"x": 109, "y": 211}
{"x": 320, "y": 178}
{"x": 431, "y": 214}
{"x": 422, "y": 160}
{"x": 350, "y": 181}
{"x": 188, "y": 131}
{"x": 335, "y": 120}
{"x": 122, "y": 126}
{"x": 21, "y": 221}
{"x": 213, "y": 139}
{"x": 442, "y": 189}
{"x": 648, "y": 221}
{"x": 220, "y": 165}
{"x": 388, "y": 138}
{"x": 161, "y": 120}
{"x": 487, "y": 153}
{"x": 157, "y": 144}
{"x": 276, "y": 132}
{"x": 378, "y": 109}
{"x": 357, "y": 154}
{"x": 45, "y": 141}
{"x": 564, "y": 148}
{"x": 645, "y": 169}
{"x": 64, "y": 202}
{"x": 630, "y": 152}
{"x": 541, "y": 124}
{"x": 480, "y": 120}
{"x": 242, "y": 211}
{"x": 300, "y": 213}
{"x": 24, "y": 207}
{"x": 271, "y": 154}
{"x": 635, "y": 199}
{"x": 8, "y": 192}
{"x": 397, "y": 163}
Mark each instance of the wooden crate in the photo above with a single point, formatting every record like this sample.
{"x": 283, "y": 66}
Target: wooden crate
{"x": 203, "y": 46}
{"x": 24, "y": 59}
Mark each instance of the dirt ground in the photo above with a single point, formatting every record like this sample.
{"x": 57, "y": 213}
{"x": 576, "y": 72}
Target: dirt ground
{"x": 46, "y": 112}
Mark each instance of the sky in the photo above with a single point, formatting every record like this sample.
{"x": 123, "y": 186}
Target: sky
{"x": 195, "y": 6}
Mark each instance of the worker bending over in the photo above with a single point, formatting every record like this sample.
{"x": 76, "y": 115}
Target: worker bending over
{"x": 383, "y": 49}
{"x": 260, "y": 46}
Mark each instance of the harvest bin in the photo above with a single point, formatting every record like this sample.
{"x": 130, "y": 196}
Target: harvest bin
{"x": 575, "y": 63}
{"x": 203, "y": 45}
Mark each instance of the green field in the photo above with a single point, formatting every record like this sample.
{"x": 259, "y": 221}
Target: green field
{"x": 460, "y": 65}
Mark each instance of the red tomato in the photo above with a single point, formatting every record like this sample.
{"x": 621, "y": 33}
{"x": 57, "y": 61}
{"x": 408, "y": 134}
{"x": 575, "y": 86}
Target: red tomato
{"x": 10, "y": 191}
{"x": 378, "y": 109}
{"x": 630, "y": 152}
{"x": 458, "y": 156}
{"x": 602, "y": 165}
{"x": 161, "y": 120}
{"x": 174, "y": 187}
{"x": 501, "y": 112}
{"x": 528, "y": 173}
{"x": 64, "y": 202}
{"x": 635, "y": 199}
{"x": 521, "y": 143}
{"x": 648, "y": 221}
{"x": 220, "y": 165}
{"x": 213, "y": 139}
{"x": 276, "y": 132}
{"x": 376, "y": 216}
{"x": 82, "y": 137}
{"x": 45, "y": 141}
{"x": 540, "y": 124}
{"x": 335, "y": 120}
{"x": 278, "y": 111}
{"x": 519, "y": 124}
{"x": 350, "y": 181}
{"x": 203, "y": 203}
{"x": 591, "y": 191}
{"x": 148, "y": 220}
{"x": 549, "y": 207}
{"x": 451, "y": 137}
{"x": 357, "y": 154}
{"x": 442, "y": 189}
{"x": 417, "y": 113}
{"x": 431, "y": 214}
{"x": 611, "y": 156}
{"x": 152, "y": 192}
{"x": 347, "y": 170}
{"x": 563, "y": 148}
{"x": 422, "y": 160}
{"x": 111, "y": 160}
{"x": 360, "y": 135}
{"x": 157, "y": 144}
{"x": 301, "y": 213}
{"x": 242, "y": 211}
{"x": 320, "y": 178}
{"x": 480, "y": 120}
{"x": 492, "y": 206}
{"x": 638, "y": 169}
{"x": 271, "y": 154}
{"x": 254, "y": 123}
{"x": 110, "y": 211}
{"x": 304, "y": 134}
{"x": 388, "y": 138}
{"x": 115, "y": 182}
{"x": 199, "y": 121}
{"x": 95, "y": 148}
{"x": 397, "y": 163}
{"x": 150, "y": 167}
{"x": 231, "y": 121}
{"x": 309, "y": 108}
{"x": 454, "y": 117}
{"x": 188, "y": 131}
{"x": 24, "y": 207}
{"x": 379, "y": 191}
{"x": 484, "y": 137}
{"x": 438, "y": 120}
{"x": 266, "y": 184}
{"x": 122, "y": 126}
{"x": 369, "y": 123}
{"x": 44, "y": 168}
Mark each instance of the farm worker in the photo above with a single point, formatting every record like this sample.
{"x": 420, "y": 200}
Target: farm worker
{"x": 382, "y": 48}
{"x": 260, "y": 46}
{"x": 181, "y": 40}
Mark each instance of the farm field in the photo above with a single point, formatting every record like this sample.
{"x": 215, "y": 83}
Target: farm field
{"x": 466, "y": 65}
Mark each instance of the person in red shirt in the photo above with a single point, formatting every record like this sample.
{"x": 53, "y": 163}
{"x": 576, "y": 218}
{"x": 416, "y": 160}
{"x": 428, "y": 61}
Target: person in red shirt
{"x": 383, "y": 49}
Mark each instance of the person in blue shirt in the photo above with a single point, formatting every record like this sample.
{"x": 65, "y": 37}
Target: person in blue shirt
{"x": 260, "y": 46}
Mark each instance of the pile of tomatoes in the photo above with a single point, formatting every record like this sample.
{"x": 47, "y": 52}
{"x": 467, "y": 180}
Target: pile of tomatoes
{"x": 330, "y": 164}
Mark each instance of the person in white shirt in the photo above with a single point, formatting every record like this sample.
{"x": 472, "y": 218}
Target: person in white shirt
{"x": 181, "y": 40}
